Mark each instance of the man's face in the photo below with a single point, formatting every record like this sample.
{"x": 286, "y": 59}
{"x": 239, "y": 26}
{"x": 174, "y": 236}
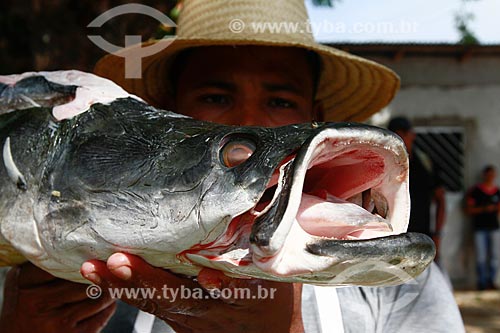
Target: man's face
{"x": 247, "y": 85}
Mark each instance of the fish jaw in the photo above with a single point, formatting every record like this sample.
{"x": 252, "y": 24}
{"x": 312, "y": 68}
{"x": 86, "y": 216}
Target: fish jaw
{"x": 321, "y": 225}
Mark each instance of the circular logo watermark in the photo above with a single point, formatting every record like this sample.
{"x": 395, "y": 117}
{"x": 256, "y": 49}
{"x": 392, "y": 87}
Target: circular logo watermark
{"x": 133, "y": 60}
{"x": 93, "y": 291}
{"x": 236, "y": 26}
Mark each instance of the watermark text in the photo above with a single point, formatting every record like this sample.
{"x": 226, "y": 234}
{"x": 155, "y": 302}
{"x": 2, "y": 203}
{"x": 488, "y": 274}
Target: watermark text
{"x": 324, "y": 27}
{"x": 172, "y": 294}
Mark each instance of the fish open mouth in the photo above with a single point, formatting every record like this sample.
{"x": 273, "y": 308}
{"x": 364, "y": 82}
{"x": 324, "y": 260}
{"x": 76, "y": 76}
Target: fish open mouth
{"x": 341, "y": 200}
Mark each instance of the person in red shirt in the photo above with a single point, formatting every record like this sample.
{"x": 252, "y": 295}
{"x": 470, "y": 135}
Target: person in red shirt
{"x": 483, "y": 205}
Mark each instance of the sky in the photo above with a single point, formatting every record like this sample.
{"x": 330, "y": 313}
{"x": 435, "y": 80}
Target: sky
{"x": 430, "y": 21}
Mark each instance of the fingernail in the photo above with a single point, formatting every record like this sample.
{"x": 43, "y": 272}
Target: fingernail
{"x": 117, "y": 260}
{"x": 213, "y": 285}
{"x": 93, "y": 277}
{"x": 210, "y": 279}
{"x": 122, "y": 272}
{"x": 88, "y": 272}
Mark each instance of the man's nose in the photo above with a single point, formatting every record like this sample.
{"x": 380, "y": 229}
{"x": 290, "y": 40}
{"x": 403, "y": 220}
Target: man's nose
{"x": 250, "y": 113}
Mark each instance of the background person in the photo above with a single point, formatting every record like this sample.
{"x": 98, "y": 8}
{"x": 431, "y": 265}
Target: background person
{"x": 483, "y": 205}
{"x": 425, "y": 187}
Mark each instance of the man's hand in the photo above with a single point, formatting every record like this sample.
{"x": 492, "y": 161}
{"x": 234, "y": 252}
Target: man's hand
{"x": 209, "y": 314}
{"x": 35, "y": 301}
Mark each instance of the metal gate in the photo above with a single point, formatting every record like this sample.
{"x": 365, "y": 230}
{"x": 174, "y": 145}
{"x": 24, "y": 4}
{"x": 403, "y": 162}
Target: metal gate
{"x": 445, "y": 146}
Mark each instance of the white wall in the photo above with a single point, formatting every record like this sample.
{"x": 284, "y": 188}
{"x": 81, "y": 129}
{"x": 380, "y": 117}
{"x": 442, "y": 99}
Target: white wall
{"x": 445, "y": 91}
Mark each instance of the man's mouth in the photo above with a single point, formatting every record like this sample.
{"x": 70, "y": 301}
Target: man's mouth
{"x": 346, "y": 186}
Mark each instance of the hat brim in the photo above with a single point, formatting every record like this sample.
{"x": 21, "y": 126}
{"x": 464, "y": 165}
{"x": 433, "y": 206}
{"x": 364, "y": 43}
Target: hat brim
{"x": 350, "y": 88}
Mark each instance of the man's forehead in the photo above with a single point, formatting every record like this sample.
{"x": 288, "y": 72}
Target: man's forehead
{"x": 260, "y": 51}
{"x": 284, "y": 63}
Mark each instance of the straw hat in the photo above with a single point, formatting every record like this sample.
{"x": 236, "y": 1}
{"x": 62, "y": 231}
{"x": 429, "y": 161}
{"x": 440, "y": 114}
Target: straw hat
{"x": 351, "y": 88}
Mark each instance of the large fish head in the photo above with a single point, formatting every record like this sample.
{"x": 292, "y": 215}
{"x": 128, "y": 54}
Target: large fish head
{"x": 334, "y": 209}
{"x": 129, "y": 177}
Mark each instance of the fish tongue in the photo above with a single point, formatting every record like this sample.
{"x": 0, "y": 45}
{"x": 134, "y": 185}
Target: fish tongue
{"x": 333, "y": 217}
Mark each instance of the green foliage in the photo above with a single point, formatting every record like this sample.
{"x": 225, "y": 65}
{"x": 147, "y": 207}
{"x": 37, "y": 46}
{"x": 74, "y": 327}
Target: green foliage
{"x": 164, "y": 31}
{"x": 462, "y": 20}
{"x": 467, "y": 37}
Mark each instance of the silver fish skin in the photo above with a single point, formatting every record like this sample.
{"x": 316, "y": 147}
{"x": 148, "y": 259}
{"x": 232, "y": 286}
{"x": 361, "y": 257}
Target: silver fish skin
{"x": 88, "y": 170}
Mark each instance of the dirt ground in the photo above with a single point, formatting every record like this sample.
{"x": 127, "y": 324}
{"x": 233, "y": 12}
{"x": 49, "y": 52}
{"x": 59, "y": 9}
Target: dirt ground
{"x": 480, "y": 310}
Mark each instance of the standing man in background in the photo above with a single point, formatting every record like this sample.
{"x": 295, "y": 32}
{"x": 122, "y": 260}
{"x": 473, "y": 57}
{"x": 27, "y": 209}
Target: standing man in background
{"x": 424, "y": 185}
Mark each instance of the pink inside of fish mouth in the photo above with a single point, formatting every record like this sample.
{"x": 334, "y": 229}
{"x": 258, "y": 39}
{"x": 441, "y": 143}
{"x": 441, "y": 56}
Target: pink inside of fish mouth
{"x": 338, "y": 201}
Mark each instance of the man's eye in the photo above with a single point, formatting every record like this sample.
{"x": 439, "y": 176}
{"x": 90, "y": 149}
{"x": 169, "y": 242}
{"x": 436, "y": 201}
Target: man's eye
{"x": 215, "y": 99}
{"x": 282, "y": 103}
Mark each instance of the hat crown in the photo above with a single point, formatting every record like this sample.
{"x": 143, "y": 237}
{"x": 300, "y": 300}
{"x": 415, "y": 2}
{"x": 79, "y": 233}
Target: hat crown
{"x": 349, "y": 88}
{"x": 245, "y": 19}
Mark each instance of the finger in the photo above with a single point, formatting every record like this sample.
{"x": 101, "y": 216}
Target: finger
{"x": 216, "y": 283}
{"x": 98, "y": 273}
{"x": 210, "y": 279}
{"x": 131, "y": 268}
{"x": 97, "y": 322}
{"x": 140, "y": 274}
{"x": 129, "y": 271}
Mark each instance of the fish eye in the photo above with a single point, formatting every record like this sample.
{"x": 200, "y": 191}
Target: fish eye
{"x": 235, "y": 152}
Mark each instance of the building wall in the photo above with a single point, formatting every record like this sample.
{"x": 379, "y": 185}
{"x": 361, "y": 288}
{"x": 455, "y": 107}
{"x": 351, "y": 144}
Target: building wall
{"x": 446, "y": 91}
